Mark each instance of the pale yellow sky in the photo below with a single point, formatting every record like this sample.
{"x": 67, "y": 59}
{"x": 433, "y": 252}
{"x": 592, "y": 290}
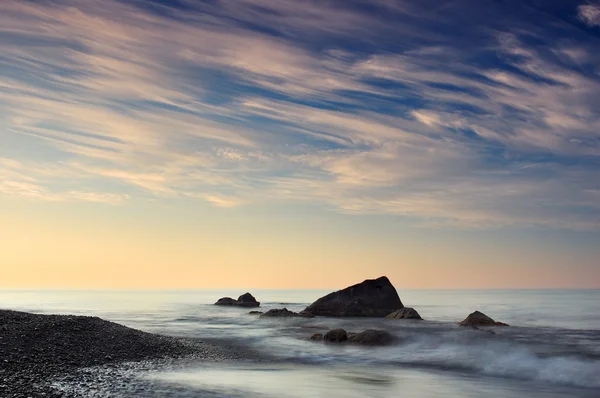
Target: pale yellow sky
{"x": 99, "y": 246}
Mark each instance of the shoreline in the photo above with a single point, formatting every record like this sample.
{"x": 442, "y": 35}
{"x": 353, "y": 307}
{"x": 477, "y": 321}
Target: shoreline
{"x": 37, "y": 349}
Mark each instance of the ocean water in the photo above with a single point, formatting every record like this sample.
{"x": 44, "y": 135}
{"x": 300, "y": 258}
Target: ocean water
{"x": 551, "y": 349}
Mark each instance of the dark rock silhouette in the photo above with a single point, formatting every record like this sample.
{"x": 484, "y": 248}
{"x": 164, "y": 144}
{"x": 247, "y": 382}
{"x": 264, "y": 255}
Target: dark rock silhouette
{"x": 367, "y": 337}
{"x": 371, "y": 337}
{"x": 371, "y": 298}
{"x": 245, "y": 300}
{"x": 256, "y": 312}
{"x": 477, "y": 318}
{"x": 226, "y": 301}
{"x": 484, "y": 330}
{"x": 404, "y": 313}
{"x": 285, "y": 313}
{"x": 336, "y": 335}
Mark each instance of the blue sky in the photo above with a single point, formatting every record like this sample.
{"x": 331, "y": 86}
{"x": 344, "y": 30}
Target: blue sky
{"x": 459, "y": 115}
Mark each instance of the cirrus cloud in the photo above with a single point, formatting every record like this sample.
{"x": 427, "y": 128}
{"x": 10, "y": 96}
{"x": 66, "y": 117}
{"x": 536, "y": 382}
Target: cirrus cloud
{"x": 462, "y": 121}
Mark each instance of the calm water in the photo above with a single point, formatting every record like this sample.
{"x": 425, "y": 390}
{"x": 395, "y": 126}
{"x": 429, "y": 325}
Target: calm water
{"x": 552, "y": 348}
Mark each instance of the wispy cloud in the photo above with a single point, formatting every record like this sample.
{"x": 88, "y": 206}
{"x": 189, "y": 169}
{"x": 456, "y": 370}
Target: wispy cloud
{"x": 254, "y": 101}
{"x": 589, "y": 14}
{"x": 34, "y": 182}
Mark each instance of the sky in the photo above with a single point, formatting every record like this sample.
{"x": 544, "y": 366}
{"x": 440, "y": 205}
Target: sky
{"x": 299, "y": 143}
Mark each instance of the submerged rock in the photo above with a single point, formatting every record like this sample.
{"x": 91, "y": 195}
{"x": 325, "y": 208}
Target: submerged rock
{"x": 477, "y": 318}
{"x": 372, "y": 337}
{"x": 404, "y": 313}
{"x": 367, "y": 337}
{"x": 336, "y": 335}
{"x": 483, "y": 330}
{"x": 371, "y": 298}
{"x": 256, "y": 312}
{"x": 245, "y": 300}
{"x": 285, "y": 313}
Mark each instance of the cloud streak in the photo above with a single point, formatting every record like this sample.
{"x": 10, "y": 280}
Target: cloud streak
{"x": 254, "y": 101}
{"x": 589, "y": 14}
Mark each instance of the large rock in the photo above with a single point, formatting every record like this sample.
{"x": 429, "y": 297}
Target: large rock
{"x": 480, "y": 319}
{"x": 404, "y": 313}
{"x": 285, "y": 313}
{"x": 336, "y": 335}
{"x": 371, "y": 337}
{"x": 245, "y": 300}
{"x": 373, "y": 297}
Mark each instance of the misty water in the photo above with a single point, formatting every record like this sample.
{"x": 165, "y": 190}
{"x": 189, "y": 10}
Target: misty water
{"x": 551, "y": 349}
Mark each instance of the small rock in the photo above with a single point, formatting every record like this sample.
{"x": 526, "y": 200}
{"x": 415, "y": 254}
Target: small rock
{"x": 404, "y": 313}
{"x": 316, "y": 336}
{"x": 226, "y": 301}
{"x": 336, "y": 335}
{"x": 245, "y": 300}
{"x": 483, "y": 330}
{"x": 480, "y": 319}
{"x": 284, "y": 313}
{"x": 306, "y": 314}
{"x": 372, "y": 337}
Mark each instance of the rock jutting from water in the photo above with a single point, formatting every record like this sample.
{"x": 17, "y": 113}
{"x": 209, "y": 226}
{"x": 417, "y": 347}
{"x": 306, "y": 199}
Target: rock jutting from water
{"x": 226, "y": 301}
{"x": 368, "y": 337}
{"x": 371, "y": 337}
{"x": 336, "y": 335}
{"x": 370, "y": 298}
{"x": 477, "y": 318}
{"x": 245, "y": 300}
{"x": 405, "y": 313}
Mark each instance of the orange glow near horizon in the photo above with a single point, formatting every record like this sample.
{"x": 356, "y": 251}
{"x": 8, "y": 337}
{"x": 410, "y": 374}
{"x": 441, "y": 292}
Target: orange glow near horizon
{"x": 98, "y": 253}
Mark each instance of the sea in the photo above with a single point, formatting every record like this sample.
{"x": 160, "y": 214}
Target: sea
{"x": 551, "y": 349}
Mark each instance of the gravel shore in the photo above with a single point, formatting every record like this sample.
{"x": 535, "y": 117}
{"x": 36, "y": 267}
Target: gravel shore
{"x": 35, "y": 349}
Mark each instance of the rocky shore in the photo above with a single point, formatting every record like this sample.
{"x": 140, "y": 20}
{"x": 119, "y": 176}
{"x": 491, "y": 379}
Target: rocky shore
{"x": 36, "y": 349}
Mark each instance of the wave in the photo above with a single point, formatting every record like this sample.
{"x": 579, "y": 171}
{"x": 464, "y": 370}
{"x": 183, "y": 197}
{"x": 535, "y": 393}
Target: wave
{"x": 505, "y": 360}
{"x": 456, "y": 350}
{"x": 546, "y": 355}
